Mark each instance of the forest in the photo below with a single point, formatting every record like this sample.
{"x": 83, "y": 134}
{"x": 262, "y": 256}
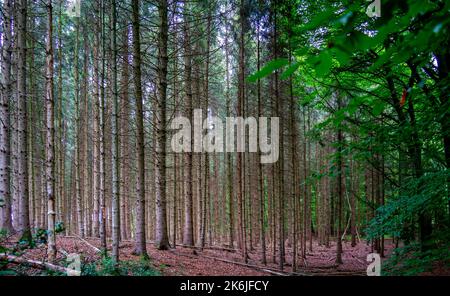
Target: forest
{"x": 114, "y": 159}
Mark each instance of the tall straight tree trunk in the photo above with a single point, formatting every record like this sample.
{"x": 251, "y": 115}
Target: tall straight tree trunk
{"x": 24, "y": 219}
{"x": 15, "y": 160}
{"x": 50, "y": 138}
{"x": 229, "y": 166}
{"x": 162, "y": 238}
{"x": 280, "y": 164}
{"x": 293, "y": 143}
{"x": 197, "y": 157}
{"x": 260, "y": 167}
{"x": 188, "y": 233}
{"x": 79, "y": 200}
{"x": 310, "y": 218}
{"x": 176, "y": 177}
{"x": 125, "y": 153}
{"x": 115, "y": 140}
{"x": 207, "y": 196}
{"x": 354, "y": 191}
{"x": 240, "y": 162}
{"x": 61, "y": 146}
{"x": 5, "y": 127}
{"x": 96, "y": 137}
{"x": 305, "y": 189}
{"x": 102, "y": 115}
{"x": 140, "y": 247}
{"x": 340, "y": 185}
{"x": 31, "y": 141}
{"x": 85, "y": 130}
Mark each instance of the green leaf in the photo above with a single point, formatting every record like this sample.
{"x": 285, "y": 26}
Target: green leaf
{"x": 378, "y": 108}
{"x": 338, "y": 117}
{"x": 290, "y": 70}
{"x": 268, "y": 69}
{"x": 382, "y": 59}
{"x": 341, "y": 54}
{"x": 324, "y": 65}
{"x": 345, "y": 18}
{"x": 319, "y": 20}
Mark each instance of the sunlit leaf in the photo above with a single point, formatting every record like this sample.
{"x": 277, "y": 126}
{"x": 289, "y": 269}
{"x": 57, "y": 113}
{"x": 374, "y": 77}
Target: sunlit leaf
{"x": 268, "y": 69}
{"x": 324, "y": 65}
{"x": 290, "y": 70}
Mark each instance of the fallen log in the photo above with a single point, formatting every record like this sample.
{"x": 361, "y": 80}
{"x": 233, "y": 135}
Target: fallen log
{"x": 97, "y": 250}
{"x": 208, "y": 248}
{"x": 37, "y": 264}
{"x": 265, "y": 269}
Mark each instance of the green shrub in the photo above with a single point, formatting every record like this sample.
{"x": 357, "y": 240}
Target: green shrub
{"x": 107, "y": 267}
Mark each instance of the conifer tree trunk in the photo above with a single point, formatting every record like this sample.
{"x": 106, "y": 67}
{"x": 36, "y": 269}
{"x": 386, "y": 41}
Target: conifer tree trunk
{"x": 339, "y": 187}
{"x": 353, "y": 194}
{"x": 176, "y": 177}
{"x": 5, "y": 127}
{"x": 61, "y": 141}
{"x": 294, "y": 160}
{"x": 85, "y": 139}
{"x": 260, "y": 167}
{"x": 280, "y": 163}
{"x": 96, "y": 137}
{"x": 125, "y": 153}
{"x": 206, "y": 188}
{"x": 188, "y": 233}
{"x": 140, "y": 247}
{"x": 22, "y": 124}
{"x": 240, "y": 161}
{"x": 229, "y": 165}
{"x": 115, "y": 168}
{"x": 162, "y": 238}
{"x": 78, "y": 160}
{"x": 102, "y": 139}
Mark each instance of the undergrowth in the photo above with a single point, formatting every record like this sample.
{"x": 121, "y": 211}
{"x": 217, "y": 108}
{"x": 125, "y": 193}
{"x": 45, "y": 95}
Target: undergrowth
{"x": 107, "y": 267}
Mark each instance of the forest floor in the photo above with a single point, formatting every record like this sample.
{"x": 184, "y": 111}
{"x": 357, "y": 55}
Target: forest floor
{"x": 217, "y": 261}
